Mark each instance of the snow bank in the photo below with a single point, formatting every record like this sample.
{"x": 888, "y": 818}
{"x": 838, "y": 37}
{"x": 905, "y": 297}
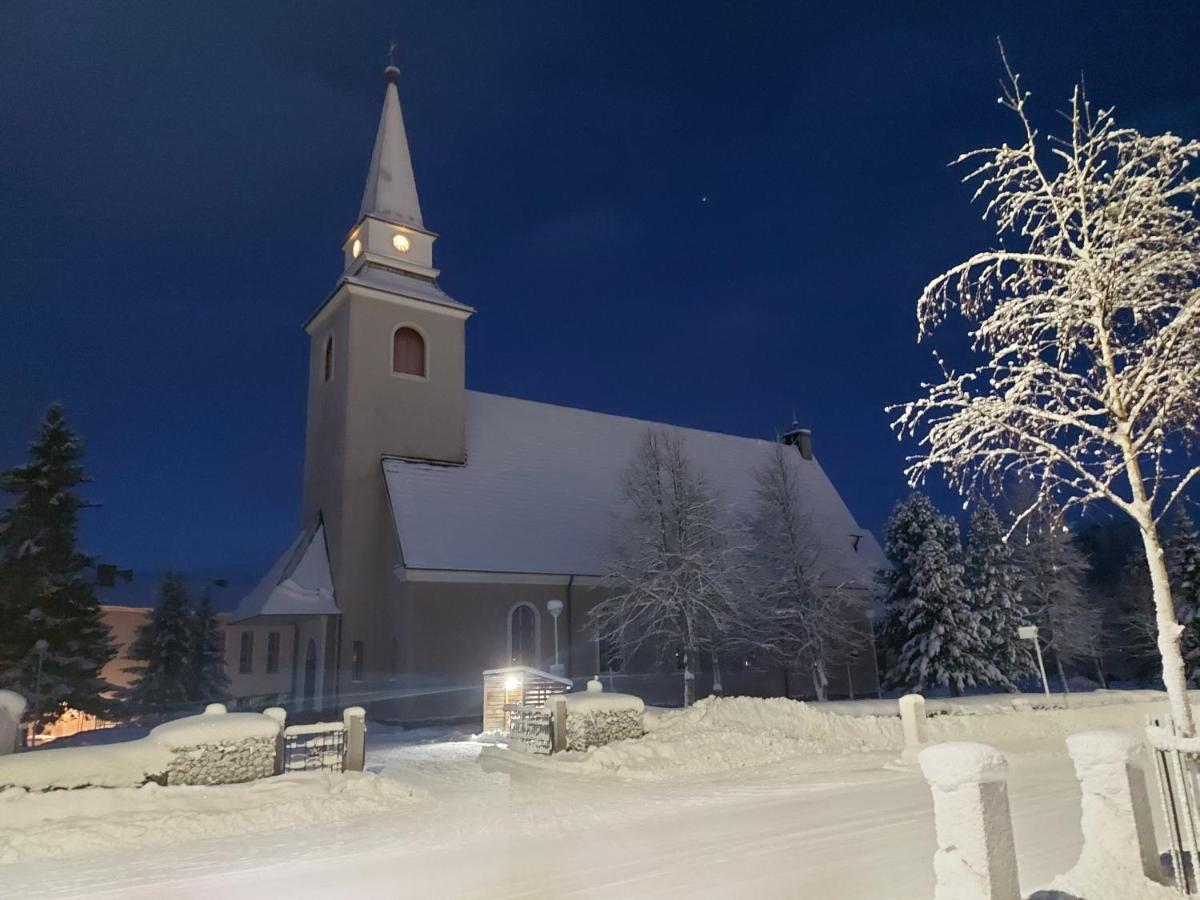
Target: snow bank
{"x": 93, "y": 820}
{"x": 170, "y": 747}
{"x": 212, "y": 728}
{"x": 721, "y": 734}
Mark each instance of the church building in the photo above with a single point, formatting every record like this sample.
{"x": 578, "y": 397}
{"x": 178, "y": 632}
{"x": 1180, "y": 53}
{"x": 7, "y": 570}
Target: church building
{"x": 439, "y": 522}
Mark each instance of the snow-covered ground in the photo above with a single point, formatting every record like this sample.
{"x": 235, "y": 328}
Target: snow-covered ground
{"x": 731, "y": 798}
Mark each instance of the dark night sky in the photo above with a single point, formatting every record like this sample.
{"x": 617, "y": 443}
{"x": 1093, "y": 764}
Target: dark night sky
{"x": 176, "y": 181}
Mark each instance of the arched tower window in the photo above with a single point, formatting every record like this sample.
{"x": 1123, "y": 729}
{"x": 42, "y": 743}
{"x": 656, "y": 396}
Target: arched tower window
{"x": 523, "y": 635}
{"x": 408, "y": 352}
{"x": 328, "y": 360}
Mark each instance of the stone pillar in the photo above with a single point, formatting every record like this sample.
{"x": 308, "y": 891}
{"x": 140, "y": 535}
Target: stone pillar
{"x": 976, "y": 858}
{"x": 355, "y": 720}
{"x": 279, "y": 714}
{"x": 1118, "y": 828}
{"x": 559, "y": 723}
{"x": 912, "y": 719}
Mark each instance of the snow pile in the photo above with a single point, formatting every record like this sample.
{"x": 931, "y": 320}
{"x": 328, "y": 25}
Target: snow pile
{"x": 149, "y": 759}
{"x": 93, "y": 821}
{"x": 725, "y": 733}
{"x": 718, "y": 734}
{"x": 12, "y": 707}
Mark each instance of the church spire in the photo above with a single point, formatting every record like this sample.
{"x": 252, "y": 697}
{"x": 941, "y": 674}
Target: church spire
{"x": 391, "y": 191}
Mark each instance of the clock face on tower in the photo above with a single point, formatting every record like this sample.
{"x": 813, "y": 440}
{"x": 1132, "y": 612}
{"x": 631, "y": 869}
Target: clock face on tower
{"x": 356, "y": 248}
{"x": 400, "y": 242}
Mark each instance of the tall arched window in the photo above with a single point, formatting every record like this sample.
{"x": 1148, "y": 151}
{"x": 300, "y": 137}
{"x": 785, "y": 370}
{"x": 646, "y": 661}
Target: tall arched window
{"x": 328, "y": 363}
{"x": 523, "y": 635}
{"x": 408, "y": 352}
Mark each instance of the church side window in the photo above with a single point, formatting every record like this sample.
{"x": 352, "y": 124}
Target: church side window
{"x": 328, "y": 360}
{"x": 522, "y": 635}
{"x": 273, "y": 651}
{"x": 246, "y": 653}
{"x": 408, "y": 352}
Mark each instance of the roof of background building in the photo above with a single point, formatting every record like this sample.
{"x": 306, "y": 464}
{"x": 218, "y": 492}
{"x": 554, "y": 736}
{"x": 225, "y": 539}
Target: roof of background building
{"x": 541, "y": 493}
{"x": 300, "y": 582}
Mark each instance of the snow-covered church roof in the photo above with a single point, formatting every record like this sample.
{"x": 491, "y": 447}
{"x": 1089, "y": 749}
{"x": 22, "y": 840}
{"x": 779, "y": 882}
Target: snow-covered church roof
{"x": 540, "y": 493}
{"x": 300, "y": 582}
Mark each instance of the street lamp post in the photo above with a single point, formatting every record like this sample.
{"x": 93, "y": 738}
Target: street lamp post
{"x": 1030, "y": 633}
{"x": 555, "y": 607}
{"x": 40, "y": 646}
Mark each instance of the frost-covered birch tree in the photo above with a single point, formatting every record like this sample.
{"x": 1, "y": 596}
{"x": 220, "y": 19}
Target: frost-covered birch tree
{"x": 674, "y": 568}
{"x": 1086, "y": 329}
{"x": 798, "y": 611}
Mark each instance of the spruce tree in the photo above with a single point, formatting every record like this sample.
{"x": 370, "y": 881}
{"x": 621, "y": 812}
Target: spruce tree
{"x": 1183, "y": 563}
{"x": 165, "y": 644}
{"x": 208, "y": 658}
{"x": 912, "y": 522}
{"x": 945, "y": 644}
{"x": 994, "y": 582}
{"x": 53, "y": 642}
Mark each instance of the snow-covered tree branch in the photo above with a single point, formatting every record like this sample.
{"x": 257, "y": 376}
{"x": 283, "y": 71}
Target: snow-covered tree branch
{"x": 1086, "y": 332}
{"x": 674, "y": 564}
{"x": 796, "y": 611}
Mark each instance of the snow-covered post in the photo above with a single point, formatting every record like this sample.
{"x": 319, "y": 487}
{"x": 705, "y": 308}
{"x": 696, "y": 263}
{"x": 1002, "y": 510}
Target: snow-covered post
{"x": 976, "y": 858}
{"x": 279, "y": 714}
{"x": 912, "y": 718}
{"x": 215, "y": 709}
{"x": 559, "y": 724}
{"x": 1118, "y": 830}
{"x": 12, "y": 708}
{"x": 355, "y": 720}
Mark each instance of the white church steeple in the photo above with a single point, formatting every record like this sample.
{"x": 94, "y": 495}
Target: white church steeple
{"x": 390, "y": 231}
{"x": 391, "y": 191}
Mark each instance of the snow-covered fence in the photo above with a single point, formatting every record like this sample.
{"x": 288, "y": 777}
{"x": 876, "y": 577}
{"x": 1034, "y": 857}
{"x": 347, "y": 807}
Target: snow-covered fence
{"x": 529, "y": 728}
{"x": 12, "y": 708}
{"x": 329, "y": 746}
{"x": 1175, "y": 768}
{"x": 213, "y": 748}
{"x": 976, "y": 860}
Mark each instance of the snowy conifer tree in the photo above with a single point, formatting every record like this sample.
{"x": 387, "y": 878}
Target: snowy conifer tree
{"x": 945, "y": 643}
{"x": 1086, "y": 381}
{"x": 45, "y": 602}
{"x": 165, "y": 644}
{"x": 912, "y": 522}
{"x": 994, "y": 582}
{"x": 674, "y": 566}
{"x": 208, "y": 657}
{"x": 798, "y": 612}
{"x": 930, "y": 625}
{"x": 1183, "y": 563}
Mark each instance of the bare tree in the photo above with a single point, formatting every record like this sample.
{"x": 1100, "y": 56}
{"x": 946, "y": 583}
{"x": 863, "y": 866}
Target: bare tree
{"x": 1087, "y": 323}
{"x": 674, "y": 565}
{"x": 798, "y": 609}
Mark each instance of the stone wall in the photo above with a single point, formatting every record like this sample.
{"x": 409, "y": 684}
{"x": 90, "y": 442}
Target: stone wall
{"x": 595, "y": 729}
{"x": 223, "y": 762}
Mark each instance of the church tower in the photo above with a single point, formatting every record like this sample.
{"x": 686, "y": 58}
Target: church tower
{"x": 386, "y": 376}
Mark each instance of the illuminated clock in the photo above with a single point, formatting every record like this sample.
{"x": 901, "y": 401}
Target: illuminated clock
{"x": 356, "y": 248}
{"x": 400, "y": 242}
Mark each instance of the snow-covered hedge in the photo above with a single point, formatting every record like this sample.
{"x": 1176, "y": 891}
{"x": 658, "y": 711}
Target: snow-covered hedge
{"x": 214, "y": 748}
{"x": 12, "y": 707}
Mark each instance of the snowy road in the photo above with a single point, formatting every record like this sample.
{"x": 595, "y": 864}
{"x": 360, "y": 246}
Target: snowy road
{"x": 831, "y": 827}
